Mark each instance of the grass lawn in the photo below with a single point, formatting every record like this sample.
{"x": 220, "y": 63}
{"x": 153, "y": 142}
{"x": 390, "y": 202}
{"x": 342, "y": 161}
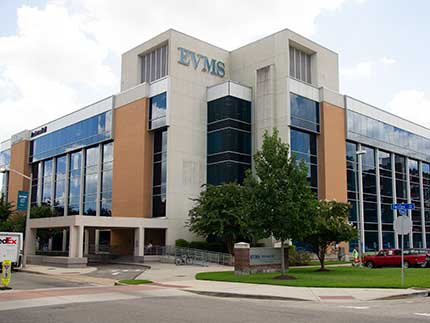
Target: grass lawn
{"x": 328, "y": 262}
{"x": 135, "y": 281}
{"x": 336, "y": 277}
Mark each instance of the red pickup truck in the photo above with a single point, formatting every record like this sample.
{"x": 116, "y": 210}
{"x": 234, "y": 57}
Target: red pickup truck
{"x": 393, "y": 257}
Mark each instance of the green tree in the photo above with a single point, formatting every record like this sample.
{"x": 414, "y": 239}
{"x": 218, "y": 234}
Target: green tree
{"x": 6, "y": 209}
{"x": 220, "y": 211}
{"x": 279, "y": 195}
{"x": 42, "y": 211}
{"x": 15, "y": 223}
{"x": 330, "y": 227}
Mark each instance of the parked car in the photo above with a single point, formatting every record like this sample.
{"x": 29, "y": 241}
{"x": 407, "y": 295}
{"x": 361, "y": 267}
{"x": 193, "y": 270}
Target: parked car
{"x": 393, "y": 258}
{"x": 420, "y": 251}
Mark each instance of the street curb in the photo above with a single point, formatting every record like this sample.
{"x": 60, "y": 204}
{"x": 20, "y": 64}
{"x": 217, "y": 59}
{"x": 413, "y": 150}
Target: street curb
{"x": 248, "y": 296}
{"x": 404, "y": 296}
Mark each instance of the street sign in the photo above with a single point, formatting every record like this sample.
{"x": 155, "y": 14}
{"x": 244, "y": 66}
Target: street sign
{"x": 22, "y": 201}
{"x": 402, "y": 211}
{"x": 402, "y": 225}
{"x": 402, "y": 206}
{"x": 6, "y": 272}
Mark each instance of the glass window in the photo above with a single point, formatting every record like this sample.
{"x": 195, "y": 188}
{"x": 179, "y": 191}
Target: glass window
{"x": 304, "y": 113}
{"x": 47, "y": 182}
{"x": 159, "y": 174}
{"x": 371, "y": 241}
{"x": 303, "y": 145}
{"x": 229, "y": 140}
{"x": 106, "y": 194}
{"x": 74, "y": 182}
{"x": 5, "y": 158}
{"x": 229, "y": 108}
{"x": 158, "y": 111}
{"x": 300, "y": 65}
{"x": 384, "y": 160}
{"x": 154, "y": 64}
{"x": 60, "y": 183}
{"x": 226, "y": 172}
{"x": 376, "y": 130}
{"x": 91, "y": 179}
{"x": 83, "y": 133}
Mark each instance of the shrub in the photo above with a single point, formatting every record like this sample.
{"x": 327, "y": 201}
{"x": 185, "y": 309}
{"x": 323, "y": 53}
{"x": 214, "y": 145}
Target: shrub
{"x": 298, "y": 258}
{"x": 182, "y": 243}
{"x": 209, "y": 246}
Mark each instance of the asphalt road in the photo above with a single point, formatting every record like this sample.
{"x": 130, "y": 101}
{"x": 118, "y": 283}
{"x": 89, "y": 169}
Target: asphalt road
{"x": 207, "y": 309}
{"x": 27, "y": 281}
{"x": 117, "y": 271}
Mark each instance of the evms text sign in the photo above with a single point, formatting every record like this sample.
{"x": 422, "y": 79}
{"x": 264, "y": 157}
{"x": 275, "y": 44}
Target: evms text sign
{"x": 202, "y": 62}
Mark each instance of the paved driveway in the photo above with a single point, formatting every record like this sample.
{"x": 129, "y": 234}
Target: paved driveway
{"x": 117, "y": 272}
{"x": 27, "y": 281}
{"x": 160, "y": 272}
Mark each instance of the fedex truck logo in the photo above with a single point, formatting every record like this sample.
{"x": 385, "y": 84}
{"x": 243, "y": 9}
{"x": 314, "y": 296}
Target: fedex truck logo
{"x": 205, "y": 64}
{"x": 7, "y": 240}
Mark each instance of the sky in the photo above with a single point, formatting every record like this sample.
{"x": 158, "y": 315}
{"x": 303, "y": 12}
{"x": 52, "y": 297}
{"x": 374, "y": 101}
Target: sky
{"x": 57, "y": 56}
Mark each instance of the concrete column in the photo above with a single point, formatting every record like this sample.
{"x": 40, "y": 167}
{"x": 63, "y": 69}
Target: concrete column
{"x": 50, "y": 244}
{"x": 76, "y": 241}
{"x": 80, "y": 242}
{"x": 96, "y": 240}
{"x": 39, "y": 183}
{"x": 139, "y": 241}
{"x": 423, "y": 218}
{"x": 64, "y": 244}
{"x": 72, "y": 241}
{"x": 393, "y": 175}
{"x": 378, "y": 199}
{"x": 86, "y": 241}
{"x": 30, "y": 242}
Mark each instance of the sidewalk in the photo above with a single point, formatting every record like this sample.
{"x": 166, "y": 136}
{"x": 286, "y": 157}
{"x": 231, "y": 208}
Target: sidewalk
{"x": 185, "y": 275}
{"x": 71, "y": 274}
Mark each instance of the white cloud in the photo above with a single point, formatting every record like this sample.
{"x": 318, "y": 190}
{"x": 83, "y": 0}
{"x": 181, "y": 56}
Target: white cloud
{"x": 66, "y": 54}
{"x": 48, "y": 68}
{"x": 413, "y": 105}
{"x": 360, "y": 71}
{"x": 387, "y": 61}
{"x": 121, "y": 25}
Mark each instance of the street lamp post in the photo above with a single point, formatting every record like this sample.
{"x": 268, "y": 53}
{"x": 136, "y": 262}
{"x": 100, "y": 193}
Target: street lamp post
{"x": 27, "y": 227}
{"x": 360, "y": 220}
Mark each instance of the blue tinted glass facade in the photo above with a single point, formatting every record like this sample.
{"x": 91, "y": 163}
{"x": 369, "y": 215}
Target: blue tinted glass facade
{"x": 106, "y": 188}
{"x": 75, "y": 169}
{"x": 5, "y": 158}
{"x": 305, "y": 113}
{"x": 158, "y": 111}
{"x": 362, "y": 125}
{"x": 84, "y": 133}
{"x": 91, "y": 179}
{"x": 159, "y": 175}
{"x": 60, "y": 184}
{"x": 399, "y": 181}
{"x": 228, "y": 140}
{"x": 304, "y": 146}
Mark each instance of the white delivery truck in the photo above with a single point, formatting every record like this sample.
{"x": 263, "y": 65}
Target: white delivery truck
{"x": 11, "y": 248}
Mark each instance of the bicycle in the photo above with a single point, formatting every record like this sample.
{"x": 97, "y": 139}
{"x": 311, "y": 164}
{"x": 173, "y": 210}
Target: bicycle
{"x": 183, "y": 260}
